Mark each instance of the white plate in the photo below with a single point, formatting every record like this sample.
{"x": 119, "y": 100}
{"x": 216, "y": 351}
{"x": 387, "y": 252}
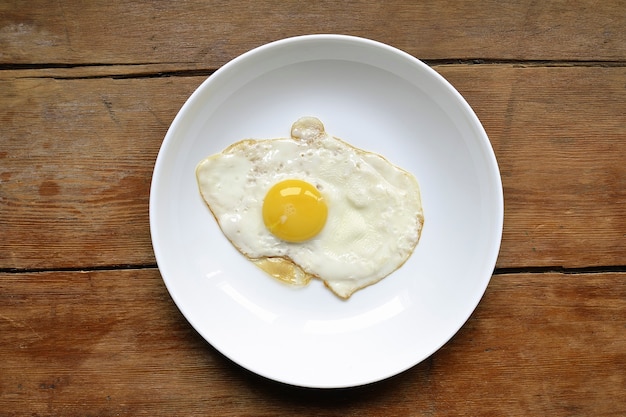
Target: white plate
{"x": 379, "y": 99}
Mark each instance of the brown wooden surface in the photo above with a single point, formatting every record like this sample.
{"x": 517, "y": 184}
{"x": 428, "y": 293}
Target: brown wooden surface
{"x": 87, "y": 92}
{"x": 538, "y": 344}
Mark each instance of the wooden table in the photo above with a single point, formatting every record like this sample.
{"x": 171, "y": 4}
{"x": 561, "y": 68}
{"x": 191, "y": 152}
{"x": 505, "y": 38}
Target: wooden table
{"x": 87, "y": 92}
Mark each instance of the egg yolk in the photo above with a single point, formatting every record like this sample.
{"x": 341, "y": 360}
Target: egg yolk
{"x": 294, "y": 210}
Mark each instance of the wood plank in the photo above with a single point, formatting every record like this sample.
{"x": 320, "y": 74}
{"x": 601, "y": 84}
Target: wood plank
{"x": 211, "y": 33}
{"x": 76, "y": 163}
{"x": 558, "y": 134}
{"x": 113, "y": 343}
{"x": 76, "y": 157}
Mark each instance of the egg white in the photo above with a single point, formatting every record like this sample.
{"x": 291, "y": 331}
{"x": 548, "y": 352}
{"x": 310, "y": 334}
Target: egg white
{"x": 375, "y": 214}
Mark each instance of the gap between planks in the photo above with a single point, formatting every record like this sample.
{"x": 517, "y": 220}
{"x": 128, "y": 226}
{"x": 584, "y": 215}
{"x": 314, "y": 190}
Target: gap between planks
{"x": 496, "y": 271}
{"x": 64, "y": 71}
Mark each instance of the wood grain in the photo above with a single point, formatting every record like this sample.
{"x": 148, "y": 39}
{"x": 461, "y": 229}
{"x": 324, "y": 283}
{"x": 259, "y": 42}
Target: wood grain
{"x": 87, "y": 92}
{"x": 113, "y": 343}
{"x": 77, "y": 157}
{"x": 76, "y": 165}
{"x": 213, "y": 32}
{"x": 558, "y": 134}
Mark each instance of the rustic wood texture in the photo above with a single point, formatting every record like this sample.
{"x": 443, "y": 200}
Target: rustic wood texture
{"x": 538, "y": 344}
{"x": 562, "y": 171}
{"x": 213, "y": 32}
{"x": 559, "y": 136}
{"x": 76, "y": 163}
{"x": 87, "y": 92}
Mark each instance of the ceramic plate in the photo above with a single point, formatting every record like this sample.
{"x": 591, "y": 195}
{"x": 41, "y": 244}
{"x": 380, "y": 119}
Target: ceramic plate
{"x": 375, "y": 97}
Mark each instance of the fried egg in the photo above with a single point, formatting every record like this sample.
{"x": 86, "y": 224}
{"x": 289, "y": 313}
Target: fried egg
{"x": 314, "y": 206}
